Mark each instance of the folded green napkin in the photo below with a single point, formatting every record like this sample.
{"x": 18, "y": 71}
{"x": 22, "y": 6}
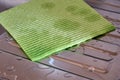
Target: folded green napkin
{"x": 43, "y": 27}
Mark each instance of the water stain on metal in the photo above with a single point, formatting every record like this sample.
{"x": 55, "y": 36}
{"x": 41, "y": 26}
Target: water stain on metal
{"x": 5, "y": 76}
{"x": 49, "y": 73}
{"x": 67, "y": 75}
{"x": 10, "y": 68}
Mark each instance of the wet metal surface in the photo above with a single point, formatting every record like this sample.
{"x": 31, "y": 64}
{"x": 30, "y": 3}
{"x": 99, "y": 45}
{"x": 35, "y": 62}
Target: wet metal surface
{"x": 17, "y": 68}
{"x": 98, "y": 59}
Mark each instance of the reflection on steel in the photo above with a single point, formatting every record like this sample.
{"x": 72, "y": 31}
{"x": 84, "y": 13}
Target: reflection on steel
{"x": 116, "y": 36}
{"x": 51, "y": 61}
{"x": 81, "y": 65}
{"x": 105, "y": 51}
{"x": 105, "y": 3}
{"x": 112, "y": 19}
{"x": 14, "y": 44}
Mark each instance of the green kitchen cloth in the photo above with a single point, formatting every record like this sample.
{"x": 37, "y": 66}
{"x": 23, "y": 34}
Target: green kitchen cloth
{"x": 43, "y": 27}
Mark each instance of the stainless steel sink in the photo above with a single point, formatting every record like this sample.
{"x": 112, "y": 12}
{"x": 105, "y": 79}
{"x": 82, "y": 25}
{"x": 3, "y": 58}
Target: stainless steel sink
{"x": 99, "y": 52}
{"x": 6, "y": 4}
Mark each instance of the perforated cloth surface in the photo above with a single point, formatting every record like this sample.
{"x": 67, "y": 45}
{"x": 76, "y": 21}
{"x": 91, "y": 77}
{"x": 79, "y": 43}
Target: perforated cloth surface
{"x": 43, "y": 27}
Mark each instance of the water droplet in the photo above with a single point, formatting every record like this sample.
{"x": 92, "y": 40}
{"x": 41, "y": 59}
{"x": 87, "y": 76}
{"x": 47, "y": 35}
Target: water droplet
{"x": 15, "y": 78}
{"x": 94, "y": 60}
{"x": 67, "y": 75}
{"x": 4, "y": 76}
{"x": 11, "y": 39}
{"x": 48, "y": 5}
{"x": 19, "y": 59}
{"x": 67, "y": 25}
{"x": 42, "y": 66}
{"x": 10, "y": 68}
{"x": 51, "y": 61}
